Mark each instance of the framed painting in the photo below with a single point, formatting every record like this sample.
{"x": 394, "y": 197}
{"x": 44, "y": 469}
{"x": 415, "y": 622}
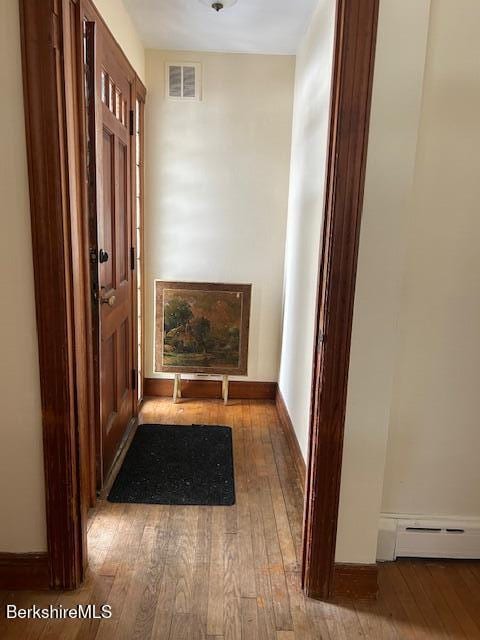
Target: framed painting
{"x": 201, "y": 327}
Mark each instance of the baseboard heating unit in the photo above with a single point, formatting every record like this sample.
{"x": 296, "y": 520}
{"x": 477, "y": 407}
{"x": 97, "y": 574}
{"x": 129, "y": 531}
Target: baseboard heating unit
{"x": 427, "y": 537}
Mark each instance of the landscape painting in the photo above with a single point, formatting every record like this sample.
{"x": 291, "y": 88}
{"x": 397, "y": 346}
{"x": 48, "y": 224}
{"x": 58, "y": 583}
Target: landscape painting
{"x": 201, "y": 327}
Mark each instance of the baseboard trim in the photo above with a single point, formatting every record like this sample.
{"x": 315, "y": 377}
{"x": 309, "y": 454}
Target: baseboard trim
{"x": 291, "y": 436}
{"x": 24, "y": 571}
{"x": 211, "y": 389}
{"x": 356, "y": 581}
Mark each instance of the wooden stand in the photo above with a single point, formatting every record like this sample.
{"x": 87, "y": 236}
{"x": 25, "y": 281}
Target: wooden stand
{"x": 177, "y": 388}
{"x": 225, "y": 389}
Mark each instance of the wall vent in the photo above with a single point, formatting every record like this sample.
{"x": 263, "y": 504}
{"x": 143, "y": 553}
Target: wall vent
{"x": 401, "y": 537}
{"x": 183, "y": 81}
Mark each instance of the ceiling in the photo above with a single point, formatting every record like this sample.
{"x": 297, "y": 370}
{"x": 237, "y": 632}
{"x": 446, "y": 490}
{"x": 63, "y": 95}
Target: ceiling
{"x": 250, "y": 26}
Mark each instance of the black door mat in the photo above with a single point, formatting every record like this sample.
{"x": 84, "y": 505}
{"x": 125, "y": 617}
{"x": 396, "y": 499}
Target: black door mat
{"x": 171, "y": 464}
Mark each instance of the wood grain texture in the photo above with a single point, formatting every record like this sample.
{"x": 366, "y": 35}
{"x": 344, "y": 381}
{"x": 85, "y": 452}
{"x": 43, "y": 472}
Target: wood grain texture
{"x": 112, "y": 231}
{"x": 53, "y": 77}
{"x": 229, "y": 572}
{"x": 210, "y": 389}
{"x": 355, "y": 40}
{"x": 24, "y": 570}
{"x": 355, "y": 580}
{"x": 49, "y": 52}
{"x": 291, "y": 437}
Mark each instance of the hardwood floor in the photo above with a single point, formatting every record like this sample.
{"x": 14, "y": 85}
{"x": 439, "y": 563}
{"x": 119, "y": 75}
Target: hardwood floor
{"x": 229, "y": 573}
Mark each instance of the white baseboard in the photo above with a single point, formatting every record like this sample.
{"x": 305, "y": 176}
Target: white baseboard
{"x": 426, "y": 536}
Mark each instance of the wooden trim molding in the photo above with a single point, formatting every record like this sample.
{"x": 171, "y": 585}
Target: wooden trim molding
{"x": 24, "y": 571}
{"x": 291, "y": 437}
{"x": 49, "y": 76}
{"x": 210, "y": 389}
{"x": 355, "y": 40}
{"x": 53, "y": 77}
{"x": 356, "y": 581}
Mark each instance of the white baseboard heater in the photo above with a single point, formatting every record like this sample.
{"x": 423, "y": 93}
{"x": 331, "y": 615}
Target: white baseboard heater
{"x": 402, "y": 536}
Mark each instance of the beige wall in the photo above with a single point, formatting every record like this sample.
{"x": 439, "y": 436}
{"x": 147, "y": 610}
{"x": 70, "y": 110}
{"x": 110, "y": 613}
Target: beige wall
{"x": 217, "y": 186}
{"x": 395, "y": 116}
{"x": 305, "y": 213}
{"x": 22, "y": 502}
{"x": 432, "y": 462}
{"x": 124, "y": 31}
{"x": 390, "y": 169}
{"x": 415, "y": 348}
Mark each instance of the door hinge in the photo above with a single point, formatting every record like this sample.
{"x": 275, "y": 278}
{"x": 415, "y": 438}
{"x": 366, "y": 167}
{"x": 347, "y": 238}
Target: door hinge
{"x": 132, "y": 258}
{"x": 131, "y": 122}
{"x": 134, "y": 379}
{"x": 320, "y": 339}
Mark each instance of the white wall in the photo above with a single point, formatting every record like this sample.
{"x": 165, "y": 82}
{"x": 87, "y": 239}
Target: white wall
{"x": 432, "y": 462}
{"x": 305, "y": 213}
{"x": 402, "y": 37}
{"x": 22, "y": 496}
{"x": 217, "y": 187}
{"x": 123, "y": 30}
{"x": 395, "y": 116}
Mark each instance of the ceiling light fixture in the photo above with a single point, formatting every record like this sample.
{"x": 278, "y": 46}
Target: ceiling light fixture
{"x": 218, "y": 6}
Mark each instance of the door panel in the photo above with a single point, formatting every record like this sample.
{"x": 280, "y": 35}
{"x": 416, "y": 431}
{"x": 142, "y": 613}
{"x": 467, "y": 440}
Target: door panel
{"x": 108, "y": 387}
{"x": 114, "y": 233}
{"x": 122, "y": 218}
{"x": 123, "y": 370}
{"x": 106, "y": 275}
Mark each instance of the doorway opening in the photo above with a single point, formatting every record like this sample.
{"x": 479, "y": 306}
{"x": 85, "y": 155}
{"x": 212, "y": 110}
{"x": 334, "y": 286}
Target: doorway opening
{"x": 87, "y": 208}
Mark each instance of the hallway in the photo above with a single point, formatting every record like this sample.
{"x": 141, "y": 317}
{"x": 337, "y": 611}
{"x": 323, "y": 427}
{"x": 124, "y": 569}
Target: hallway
{"x": 233, "y": 572}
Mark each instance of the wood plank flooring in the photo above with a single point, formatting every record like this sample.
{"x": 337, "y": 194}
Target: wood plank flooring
{"x": 233, "y": 573}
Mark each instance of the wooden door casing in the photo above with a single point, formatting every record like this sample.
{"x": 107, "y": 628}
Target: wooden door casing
{"x": 60, "y": 128}
{"x": 354, "y": 56}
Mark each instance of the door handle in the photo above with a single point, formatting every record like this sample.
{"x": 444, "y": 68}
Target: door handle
{"x": 102, "y": 256}
{"x": 108, "y": 298}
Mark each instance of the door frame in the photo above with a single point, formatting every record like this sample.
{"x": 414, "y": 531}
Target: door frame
{"x": 352, "y": 80}
{"x": 53, "y": 77}
{"x": 51, "y": 38}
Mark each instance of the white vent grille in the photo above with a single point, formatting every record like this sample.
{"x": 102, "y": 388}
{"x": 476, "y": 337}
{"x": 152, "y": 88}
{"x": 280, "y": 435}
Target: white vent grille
{"x": 183, "y": 81}
{"x": 175, "y": 81}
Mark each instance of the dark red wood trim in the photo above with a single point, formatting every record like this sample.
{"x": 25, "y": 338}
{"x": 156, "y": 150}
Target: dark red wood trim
{"x": 24, "y": 571}
{"x": 355, "y": 39}
{"x": 356, "y": 581}
{"x": 51, "y": 38}
{"x": 291, "y": 437}
{"x": 49, "y": 77}
{"x": 238, "y": 390}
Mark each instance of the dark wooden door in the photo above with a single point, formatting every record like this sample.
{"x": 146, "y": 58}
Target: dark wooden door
{"x": 114, "y": 241}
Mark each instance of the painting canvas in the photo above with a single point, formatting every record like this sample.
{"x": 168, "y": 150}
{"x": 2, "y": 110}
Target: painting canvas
{"x": 201, "y": 327}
